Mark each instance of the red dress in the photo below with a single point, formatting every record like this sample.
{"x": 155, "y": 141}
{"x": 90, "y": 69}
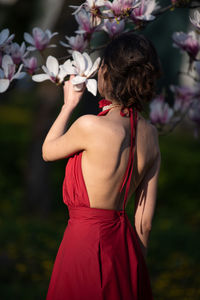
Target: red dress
{"x": 99, "y": 257}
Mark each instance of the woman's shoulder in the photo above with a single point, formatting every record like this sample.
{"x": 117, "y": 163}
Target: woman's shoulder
{"x": 87, "y": 122}
{"x": 148, "y": 136}
{"x": 147, "y": 127}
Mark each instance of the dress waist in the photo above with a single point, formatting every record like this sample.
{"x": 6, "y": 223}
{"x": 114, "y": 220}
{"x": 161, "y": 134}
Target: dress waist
{"x": 96, "y": 214}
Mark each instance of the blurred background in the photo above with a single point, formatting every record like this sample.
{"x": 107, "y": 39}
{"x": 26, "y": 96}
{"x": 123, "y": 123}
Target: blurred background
{"x": 33, "y": 217}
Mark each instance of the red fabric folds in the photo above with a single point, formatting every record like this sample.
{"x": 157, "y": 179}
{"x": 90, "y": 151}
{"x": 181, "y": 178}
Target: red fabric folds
{"x": 99, "y": 257}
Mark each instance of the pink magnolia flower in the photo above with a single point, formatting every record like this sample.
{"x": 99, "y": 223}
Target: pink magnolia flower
{"x": 5, "y": 38}
{"x": 84, "y": 20}
{"x": 30, "y": 64}
{"x": 186, "y": 42}
{"x": 196, "y": 20}
{"x": 77, "y": 42}
{"x": 40, "y": 39}
{"x": 145, "y": 11}
{"x": 160, "y": 112}
{"x": 16, "y": 51}
{"x": 183, "y": 97}
{"x": 113, "y": 27}
{"x": 89, "y": 5}
{"x": 92, "y": 6}
{"x": 121, "y": 8}
{"x": 8, "y": 72}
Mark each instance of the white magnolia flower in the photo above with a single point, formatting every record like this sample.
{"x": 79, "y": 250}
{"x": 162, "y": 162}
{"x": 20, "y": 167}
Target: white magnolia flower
{"x": 7, "y": 73}
{"x": 84, "y": 71}
{"x": 81, "y": 67}
{"x": 196, "y": 20}
{"x": 40, "y": 39}
{"x": 54, "y": 72}
{"x": 5, "y": 38}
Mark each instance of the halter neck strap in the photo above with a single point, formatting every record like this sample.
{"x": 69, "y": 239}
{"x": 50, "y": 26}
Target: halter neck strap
{"x": 105, "y": 102}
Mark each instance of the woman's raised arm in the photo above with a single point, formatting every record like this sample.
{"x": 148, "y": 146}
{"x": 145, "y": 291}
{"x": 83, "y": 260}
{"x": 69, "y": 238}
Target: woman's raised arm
{"x": 60, "y": 143}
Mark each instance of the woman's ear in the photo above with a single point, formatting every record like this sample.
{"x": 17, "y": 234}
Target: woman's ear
{"x": 101, "y": 80}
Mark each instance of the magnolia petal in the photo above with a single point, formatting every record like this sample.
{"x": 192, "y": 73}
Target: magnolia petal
{"x": 77, "y": 8}
{"x": 69, "y": 68}
{"x": 100, "y": 2}
{"x": 94, "y": 67}
{"x": 10, "y": 38}
{"x": 52, "y": 46}
{"x": 44, "y": 68}
{"x": 52, "y": 65}
{"x": 146, "y": 17}
{"x": 40, "y": 77}
{"x": 4, "y": 84}
{"x": 78, "y": 80}
{"x": 4, "y": 35}
{"x": 80, "y": 61}
{"x": 80, "y": 31}
{"x": 50, "y": 35}
{"x": 38, "y": 31}
{"x": 108, "y": 4}
{"x": 64, "y": 44}
{"x": 62, "y": 73}
{"x": 6, "y": 61}
{"x": 1, "y": 74}
{"x": 28, "y": 38}
{"x": 88, "y": 62}
{"x": 54, "y": 33}
{"x": 19, "y": 74}
{"x": 91, "y": 85}
{"x": 23, "y": 47}
{"x": 30, "y": 48}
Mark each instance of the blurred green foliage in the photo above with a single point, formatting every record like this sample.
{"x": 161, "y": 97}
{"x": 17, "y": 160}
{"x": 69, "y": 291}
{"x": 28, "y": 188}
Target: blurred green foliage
{"x": 29, "y": 242}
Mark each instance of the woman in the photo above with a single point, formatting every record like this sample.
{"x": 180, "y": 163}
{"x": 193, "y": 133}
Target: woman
{"x": 111, "y": 156}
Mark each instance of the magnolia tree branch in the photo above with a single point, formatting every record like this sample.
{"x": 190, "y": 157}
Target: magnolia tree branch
{"x": 110, "y": 18}
{"x": 176, "y": 123}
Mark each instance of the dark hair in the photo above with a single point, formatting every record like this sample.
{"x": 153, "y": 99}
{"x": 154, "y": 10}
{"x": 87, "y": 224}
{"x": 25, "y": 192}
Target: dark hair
{"x": 132, "y": 69}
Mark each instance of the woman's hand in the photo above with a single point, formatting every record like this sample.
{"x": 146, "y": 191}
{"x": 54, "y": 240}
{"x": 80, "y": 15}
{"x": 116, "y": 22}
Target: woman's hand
{"x": 71, "y": 96}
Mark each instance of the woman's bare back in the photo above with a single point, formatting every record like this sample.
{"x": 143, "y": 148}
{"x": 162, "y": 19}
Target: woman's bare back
{"x": 104, "y": 163}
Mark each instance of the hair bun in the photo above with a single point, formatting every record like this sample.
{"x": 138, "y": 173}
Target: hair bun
{"x": 133, "y": 67}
